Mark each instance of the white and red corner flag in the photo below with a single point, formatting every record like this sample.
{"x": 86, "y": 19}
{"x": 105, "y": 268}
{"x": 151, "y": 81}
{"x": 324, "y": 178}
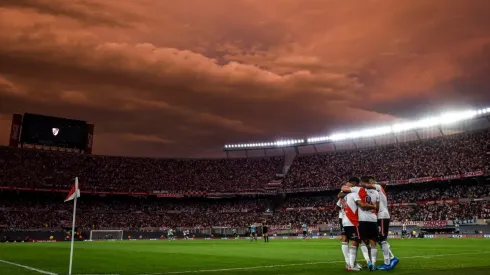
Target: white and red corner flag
{"x": 72, "y": 196}
{"x": 74, "y": 191}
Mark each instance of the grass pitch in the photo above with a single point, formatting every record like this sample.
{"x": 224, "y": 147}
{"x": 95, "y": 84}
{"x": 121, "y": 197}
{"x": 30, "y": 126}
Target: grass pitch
{"x": 417, "y": 256}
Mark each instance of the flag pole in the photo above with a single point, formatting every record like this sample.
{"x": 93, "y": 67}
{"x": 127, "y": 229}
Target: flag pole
{"x": 73, "y": 225}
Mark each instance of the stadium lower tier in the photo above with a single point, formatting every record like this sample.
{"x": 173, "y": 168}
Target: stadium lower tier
{"x": 39, "y": 219}
{"x": 191, "y": 214}
{"x": 457, "y": 200}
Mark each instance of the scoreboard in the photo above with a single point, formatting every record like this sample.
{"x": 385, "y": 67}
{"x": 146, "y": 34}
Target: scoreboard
{"x": 54, "y": 131}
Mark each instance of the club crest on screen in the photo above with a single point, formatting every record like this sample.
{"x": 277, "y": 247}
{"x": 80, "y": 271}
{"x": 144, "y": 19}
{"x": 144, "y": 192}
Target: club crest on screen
{"x": 56, "y": 131}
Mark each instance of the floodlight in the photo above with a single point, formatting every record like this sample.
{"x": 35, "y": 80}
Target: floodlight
{"x": 443, "y": 119}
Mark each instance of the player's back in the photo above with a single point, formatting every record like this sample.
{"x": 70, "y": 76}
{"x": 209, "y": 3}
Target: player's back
{"x": 369, "y": 196}
{"x": 383, "y": 212}
{"x": 350, "y": 209}
{"x": 341, "y": 212}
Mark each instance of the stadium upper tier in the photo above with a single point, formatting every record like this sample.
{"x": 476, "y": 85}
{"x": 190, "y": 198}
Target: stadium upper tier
{"x": 46, "y": 169}
{"x": 442, "y": 156}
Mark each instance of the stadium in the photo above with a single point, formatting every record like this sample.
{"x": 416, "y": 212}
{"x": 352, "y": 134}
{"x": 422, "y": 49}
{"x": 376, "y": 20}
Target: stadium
{"x": 271, "y": 137}
{"x": 179, "y": 216}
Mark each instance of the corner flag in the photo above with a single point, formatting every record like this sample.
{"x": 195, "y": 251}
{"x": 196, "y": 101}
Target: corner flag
{"x": 73, "y": 195}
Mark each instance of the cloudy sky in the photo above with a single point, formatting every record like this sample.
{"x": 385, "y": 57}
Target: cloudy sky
{"x": 182, "y": 78}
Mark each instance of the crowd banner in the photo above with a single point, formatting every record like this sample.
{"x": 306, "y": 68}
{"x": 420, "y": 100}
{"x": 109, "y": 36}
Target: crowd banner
{"x": 407, "y": 223}
{"x": 435, "y": 223}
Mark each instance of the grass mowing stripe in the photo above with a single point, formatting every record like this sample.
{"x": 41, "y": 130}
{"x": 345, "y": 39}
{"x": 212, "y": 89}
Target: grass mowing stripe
{"x": 322, "y": 256}
{"x": 29, "y": 267}
{"x": 299, "y": 264}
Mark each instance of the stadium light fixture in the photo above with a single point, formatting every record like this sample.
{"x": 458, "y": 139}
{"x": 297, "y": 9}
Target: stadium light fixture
{"x": 267, "y": 145}
{"x": 443, "y": 119}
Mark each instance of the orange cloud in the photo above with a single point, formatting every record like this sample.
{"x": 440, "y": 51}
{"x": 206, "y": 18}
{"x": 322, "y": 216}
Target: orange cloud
{"x": 171, "y": 71}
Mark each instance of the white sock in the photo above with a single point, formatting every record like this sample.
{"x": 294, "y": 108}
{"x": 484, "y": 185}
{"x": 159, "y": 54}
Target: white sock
{"x": 374, "y": 254}
{"x": 345, "y": 251}
{"x": 352, "y": 256}
{"x": 391, "y": 253}
{"x": 365, "y": 252}
{"x": 386, "y": 252}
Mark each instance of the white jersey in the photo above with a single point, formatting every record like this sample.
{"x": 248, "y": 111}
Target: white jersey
{"x": 350, "y": 209}
{"x": 341, "y": 212}
{"x": 369, "y": 196}
{"x": 383, "y": 212}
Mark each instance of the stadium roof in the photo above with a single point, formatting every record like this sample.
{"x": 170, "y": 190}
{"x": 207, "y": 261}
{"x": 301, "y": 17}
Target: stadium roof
{"x": 444, "y": 119}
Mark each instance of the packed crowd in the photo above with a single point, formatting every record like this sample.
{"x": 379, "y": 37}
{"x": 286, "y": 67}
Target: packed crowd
{"x": 40, "y": 210}
{"x": 451, "y": 155}
{"x": 442, "y": 191}
{"x": 405, "y": 194}
{"x": 136, "y": 220}
{"x": 438, "y": 212}
{"x": 47, "y": 169}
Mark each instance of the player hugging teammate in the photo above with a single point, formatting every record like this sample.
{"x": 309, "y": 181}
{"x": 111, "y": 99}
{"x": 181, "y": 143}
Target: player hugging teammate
{"x": 365, "y": 221}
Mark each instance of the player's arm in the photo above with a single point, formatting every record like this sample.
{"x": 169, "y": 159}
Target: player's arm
{"x": 380, "y": 186}
{"x": 370, "y": 186}
{"x": 365, "y": 205}
{"x": 341, "y": 195}
{"x": 345, "y": 189}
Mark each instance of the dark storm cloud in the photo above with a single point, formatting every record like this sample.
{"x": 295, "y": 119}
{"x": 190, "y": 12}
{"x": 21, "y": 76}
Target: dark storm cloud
{"x": 167, "y": 78}
{"x": 86, "y": 11}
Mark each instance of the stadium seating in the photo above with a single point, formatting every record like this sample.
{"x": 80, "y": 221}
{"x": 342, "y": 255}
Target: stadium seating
{"x": 40, "y": 210}
{"x": 443, "y": 156}
{"x": 27, "y": 168}
{"x": 47, "y": 169}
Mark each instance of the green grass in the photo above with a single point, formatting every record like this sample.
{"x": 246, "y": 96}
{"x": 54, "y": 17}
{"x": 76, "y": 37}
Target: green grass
{"x": 417, "y": 256}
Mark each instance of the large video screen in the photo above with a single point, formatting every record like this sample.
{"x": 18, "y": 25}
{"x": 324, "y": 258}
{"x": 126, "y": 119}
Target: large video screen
{"x": 54, "y": 131}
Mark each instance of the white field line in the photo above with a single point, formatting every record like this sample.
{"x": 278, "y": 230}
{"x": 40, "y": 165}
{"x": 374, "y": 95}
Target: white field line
{"x": 298, "y": 264}
{"x": 241, "y": 268}
{"x": 29, "y": 267}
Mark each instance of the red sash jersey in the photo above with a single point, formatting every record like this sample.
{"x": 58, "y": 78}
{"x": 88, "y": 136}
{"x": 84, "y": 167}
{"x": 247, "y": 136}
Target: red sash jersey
{"x": 350, "y": 221}
{"x": 368, "y": 219}
{"x": 368, "y": 196}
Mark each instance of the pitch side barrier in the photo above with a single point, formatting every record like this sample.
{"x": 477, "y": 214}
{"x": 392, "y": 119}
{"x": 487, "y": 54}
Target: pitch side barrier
{"x": 279, "y": 238}
{"x": 318, "y": 232}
